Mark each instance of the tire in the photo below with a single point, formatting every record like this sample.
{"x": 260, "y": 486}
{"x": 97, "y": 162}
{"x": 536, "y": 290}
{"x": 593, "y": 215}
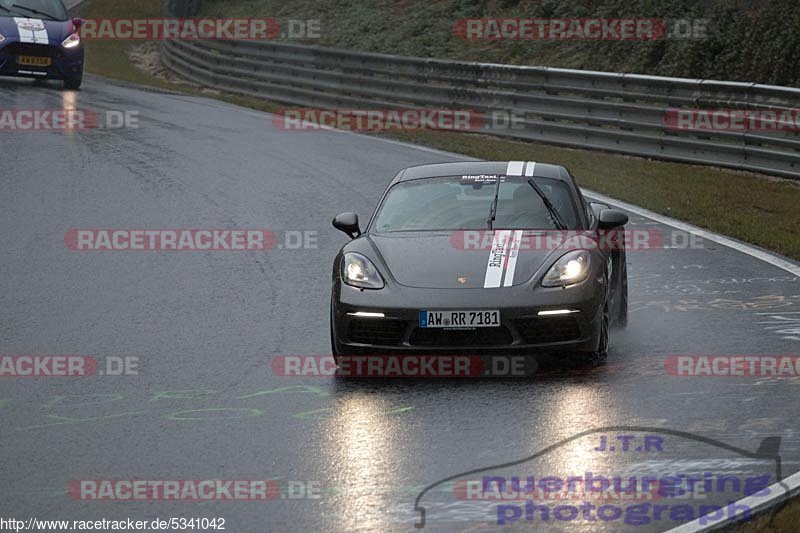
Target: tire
{"x": 73, "y": 84}
{"x": 334, "y": 348}
{"x": 601, "y": 353}
{"x": 622, "y": 311}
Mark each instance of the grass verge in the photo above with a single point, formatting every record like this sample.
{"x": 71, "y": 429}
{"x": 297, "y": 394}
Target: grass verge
{"x": 753, "y": 208}
{"x": 784, "y": 520}
{"x": 745, "y": 41}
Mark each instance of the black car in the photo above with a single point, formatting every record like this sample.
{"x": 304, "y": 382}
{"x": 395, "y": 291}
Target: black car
{"x": 480, "y": 257}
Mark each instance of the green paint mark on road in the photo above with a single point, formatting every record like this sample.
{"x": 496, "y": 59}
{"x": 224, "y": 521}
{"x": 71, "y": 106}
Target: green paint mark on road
{"x": 70, "y": 420}
{"x": 74, "y": 400}
{"x": 308, "y": 389}
{"x": 183, "y": 415}
{"x": 398, "y": 410}
{"x": 312, "y": 414}
{"x": 186, "y": 394}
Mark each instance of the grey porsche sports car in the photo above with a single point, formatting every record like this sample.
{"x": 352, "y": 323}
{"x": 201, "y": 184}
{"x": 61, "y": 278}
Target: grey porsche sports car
{"x": 480, "y": 257}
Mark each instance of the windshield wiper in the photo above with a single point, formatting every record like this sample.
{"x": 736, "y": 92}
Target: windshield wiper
{"x": 34, "y": 11}
{"x": 559, "y": 222}
{"x": 493, "y": 207}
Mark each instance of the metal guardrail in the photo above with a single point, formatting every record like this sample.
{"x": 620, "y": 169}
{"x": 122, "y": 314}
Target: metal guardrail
{"x": 621, "y": 113}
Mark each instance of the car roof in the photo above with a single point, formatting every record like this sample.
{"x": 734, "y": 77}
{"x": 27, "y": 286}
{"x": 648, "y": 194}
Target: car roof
{"x": 502, "y": 168}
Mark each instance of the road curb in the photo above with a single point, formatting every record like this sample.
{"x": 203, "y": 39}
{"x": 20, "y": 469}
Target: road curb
{"x": 779, "y": 493}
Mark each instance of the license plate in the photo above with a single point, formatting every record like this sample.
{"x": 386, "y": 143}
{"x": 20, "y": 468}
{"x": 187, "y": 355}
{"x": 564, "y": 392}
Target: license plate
{"x": 459, "y": 319}
{"x": 35, "y": 61}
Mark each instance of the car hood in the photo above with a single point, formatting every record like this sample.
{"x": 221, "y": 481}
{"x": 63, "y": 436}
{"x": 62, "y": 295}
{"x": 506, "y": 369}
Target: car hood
{"x": 34, "y": 30}
{"x": 439, "y": 261}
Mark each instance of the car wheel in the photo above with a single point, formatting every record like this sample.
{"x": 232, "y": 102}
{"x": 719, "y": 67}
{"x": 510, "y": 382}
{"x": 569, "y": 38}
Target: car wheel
{"x": 334, "y": 348}
{"x": 73, "y": 84}
{"x": 601, "y": 353}
{"x": 622, "y": 313}
{"x": 602, "y": 348}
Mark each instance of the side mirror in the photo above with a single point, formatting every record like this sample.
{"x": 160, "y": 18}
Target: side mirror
{"x": 597, "y": 208}
{"x": 77, "y": 22}
{"x": 348, "y": 223}
{"x": 611, "y": 218}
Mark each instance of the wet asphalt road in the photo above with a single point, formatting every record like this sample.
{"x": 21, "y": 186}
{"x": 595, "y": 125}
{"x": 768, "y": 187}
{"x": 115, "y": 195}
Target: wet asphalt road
{"x": 205, "y": 325}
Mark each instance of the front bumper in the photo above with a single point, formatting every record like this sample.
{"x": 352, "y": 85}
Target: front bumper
{"x": 521, "y": 331}
{"x": 65, "y": 63}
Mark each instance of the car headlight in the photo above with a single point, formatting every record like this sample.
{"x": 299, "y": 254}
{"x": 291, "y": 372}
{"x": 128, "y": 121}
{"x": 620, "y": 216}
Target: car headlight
{"x": 571, "y": 268}
{"x": 359, "y": 271}
{"x": 2, "y": 38}
{"x": 72, "y": 41}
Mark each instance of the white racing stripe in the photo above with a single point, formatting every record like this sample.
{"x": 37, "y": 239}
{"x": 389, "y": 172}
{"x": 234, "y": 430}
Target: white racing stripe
{"x": 515, "y": 168}
{"x": 42, "y": 37}
{"x": 513, "y": 253}
{"x": 25, "y": 36}
{"x": 28, "y": 32}
{"x": 502, "y": 262}
{"x": 495, "y": 266}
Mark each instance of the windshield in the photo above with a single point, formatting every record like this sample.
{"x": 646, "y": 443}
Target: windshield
{"x": 462, "y": 203}
{"x": 37, "y": 9}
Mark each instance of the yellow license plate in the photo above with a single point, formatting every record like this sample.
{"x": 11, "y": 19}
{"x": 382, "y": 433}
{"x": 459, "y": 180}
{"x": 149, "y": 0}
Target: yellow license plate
{"x": 35, "y": 61}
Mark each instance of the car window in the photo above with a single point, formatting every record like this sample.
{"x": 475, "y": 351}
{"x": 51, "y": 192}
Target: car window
{"x": 53, "y": 8}
{"x": 463, "y": 202}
